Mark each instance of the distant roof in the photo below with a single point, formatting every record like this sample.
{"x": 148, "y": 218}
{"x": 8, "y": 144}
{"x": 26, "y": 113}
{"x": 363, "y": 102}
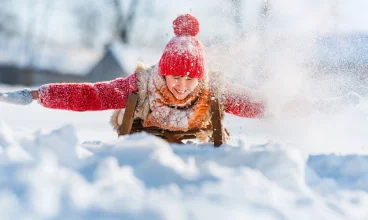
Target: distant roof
{"x": 342, "y": 49}
{"x": 61, "y": 59}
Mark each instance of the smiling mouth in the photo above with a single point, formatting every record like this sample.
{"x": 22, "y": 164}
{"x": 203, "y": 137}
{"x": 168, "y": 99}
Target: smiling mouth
{"x": 180, "y": 92}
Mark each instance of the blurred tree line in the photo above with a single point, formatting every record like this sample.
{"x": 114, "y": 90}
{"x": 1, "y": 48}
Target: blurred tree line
{"x": 30, "y": 19}
{"x": 112, "y": 19}
{"x": 9, "y": 26}
{"x": 88, "y": 19}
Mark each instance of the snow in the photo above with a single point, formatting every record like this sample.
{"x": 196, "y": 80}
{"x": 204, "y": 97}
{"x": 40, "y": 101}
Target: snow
{"x": 60, "y": 164}
{"x": 185, "y": 44}
{"x": 343, "y": 49}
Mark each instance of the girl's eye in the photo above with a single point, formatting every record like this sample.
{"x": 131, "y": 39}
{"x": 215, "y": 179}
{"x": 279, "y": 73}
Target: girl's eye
{"x": 188, "y": 78}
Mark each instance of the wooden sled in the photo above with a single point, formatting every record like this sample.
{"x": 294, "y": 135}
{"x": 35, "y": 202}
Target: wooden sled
{"x": 130, "y": 125}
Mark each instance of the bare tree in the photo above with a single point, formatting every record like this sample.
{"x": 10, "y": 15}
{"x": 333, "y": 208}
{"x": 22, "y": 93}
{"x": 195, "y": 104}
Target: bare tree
{"x": 9, "y": 26}
{"x": 335, "y": 13}
{"x": 29, "y": 35}
{"x": 44, "y": 27}
{"x": 264, "y": 15}
{"x": 260, "y": 72}
{"x": 237, "y": 14}
{"x": 124, "y": 19}
{"x": 87, "y": 19}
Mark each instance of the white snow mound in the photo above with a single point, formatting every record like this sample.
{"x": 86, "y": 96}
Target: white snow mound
{"x": 143, "y": 177}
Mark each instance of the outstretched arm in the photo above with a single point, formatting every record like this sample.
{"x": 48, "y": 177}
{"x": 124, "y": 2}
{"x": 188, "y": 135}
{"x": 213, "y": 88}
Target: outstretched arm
{"x": 88, "y": 96}
{"x": 78, "y": 96}
{"x": 243, "y": 102}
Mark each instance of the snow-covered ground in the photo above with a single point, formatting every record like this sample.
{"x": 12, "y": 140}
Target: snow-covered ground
{"x": 69, "y": 165}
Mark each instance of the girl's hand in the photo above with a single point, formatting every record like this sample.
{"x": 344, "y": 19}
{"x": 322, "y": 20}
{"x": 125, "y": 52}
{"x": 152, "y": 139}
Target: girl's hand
{"x": 19, "y": 97}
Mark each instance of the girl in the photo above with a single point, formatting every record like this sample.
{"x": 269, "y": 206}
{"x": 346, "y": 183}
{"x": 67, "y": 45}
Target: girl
{"x": 174, "y": 95}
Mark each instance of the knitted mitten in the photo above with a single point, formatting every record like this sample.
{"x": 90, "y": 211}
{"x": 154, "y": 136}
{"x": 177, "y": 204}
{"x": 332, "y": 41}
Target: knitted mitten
{"x": 19, "y": 97}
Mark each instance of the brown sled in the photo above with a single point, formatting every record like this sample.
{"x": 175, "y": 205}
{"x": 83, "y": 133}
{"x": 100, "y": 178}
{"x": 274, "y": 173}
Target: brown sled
{"x": 130, "y": 125}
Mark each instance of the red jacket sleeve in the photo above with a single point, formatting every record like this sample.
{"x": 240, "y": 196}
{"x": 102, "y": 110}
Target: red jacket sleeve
{"x": 88, "y": 96}
{"x": 241, "y": 102}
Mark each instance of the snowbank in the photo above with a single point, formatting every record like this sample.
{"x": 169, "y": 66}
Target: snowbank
{"x": 50, "y": 175}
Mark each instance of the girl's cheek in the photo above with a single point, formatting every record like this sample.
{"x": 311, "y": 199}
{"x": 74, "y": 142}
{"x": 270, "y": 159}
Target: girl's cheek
{"x": 193, "y": 86}
{"x": 191, "y": 89}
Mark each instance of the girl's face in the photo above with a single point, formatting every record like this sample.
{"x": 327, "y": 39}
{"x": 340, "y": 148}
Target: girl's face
{"x": 181, "y": 86}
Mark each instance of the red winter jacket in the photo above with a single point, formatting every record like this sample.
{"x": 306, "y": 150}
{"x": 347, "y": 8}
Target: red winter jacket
{"x": 114, "y": 94}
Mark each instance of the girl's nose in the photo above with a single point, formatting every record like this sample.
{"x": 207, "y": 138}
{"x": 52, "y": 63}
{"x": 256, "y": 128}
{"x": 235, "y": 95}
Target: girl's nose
{"x": 181, "y": 84}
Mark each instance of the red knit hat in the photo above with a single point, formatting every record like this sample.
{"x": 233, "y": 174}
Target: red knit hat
{"x": 184, "y": 54}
